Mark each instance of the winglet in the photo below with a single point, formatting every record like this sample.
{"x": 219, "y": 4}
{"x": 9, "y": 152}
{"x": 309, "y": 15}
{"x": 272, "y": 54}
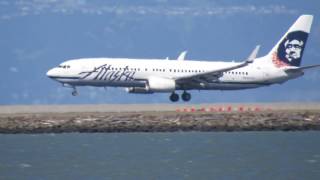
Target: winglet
{"x": 253, "y": 54}
{"x": 182, "y": 56}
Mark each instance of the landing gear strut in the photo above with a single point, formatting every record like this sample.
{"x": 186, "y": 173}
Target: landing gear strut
{"x": 174, "y": 97}
{"x": 186, "y": 96}
{"x": 74, "y": 92}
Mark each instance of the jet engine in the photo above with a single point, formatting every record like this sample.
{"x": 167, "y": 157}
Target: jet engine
{"x": 158, "y": 84}
{"x": 154, "y": 84}
{"x": 138, "y": 90}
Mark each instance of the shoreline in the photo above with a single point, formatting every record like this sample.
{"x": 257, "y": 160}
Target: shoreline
{"x": 91, "y": 122}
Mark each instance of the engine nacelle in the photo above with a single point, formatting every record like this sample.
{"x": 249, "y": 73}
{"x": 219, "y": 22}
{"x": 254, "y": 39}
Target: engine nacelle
{"x": 138, "y": 90}
{"x": 158, "y": 84}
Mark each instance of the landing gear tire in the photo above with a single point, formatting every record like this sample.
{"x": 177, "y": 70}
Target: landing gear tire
{"x": 74, "y": 92}
{"x": 174, "y": 97}
{"x": 186, "y": 96}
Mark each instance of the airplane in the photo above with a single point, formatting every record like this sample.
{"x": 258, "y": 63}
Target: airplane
{"x": 147, "y": 76}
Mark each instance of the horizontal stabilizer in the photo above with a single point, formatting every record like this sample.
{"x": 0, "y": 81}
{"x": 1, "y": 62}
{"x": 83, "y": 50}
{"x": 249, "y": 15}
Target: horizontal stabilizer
{"x": 302, "y": 68}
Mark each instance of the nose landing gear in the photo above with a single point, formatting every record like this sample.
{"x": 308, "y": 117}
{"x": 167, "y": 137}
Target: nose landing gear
{"x": 74, "y": 92}
{"x": 74, "y": 89}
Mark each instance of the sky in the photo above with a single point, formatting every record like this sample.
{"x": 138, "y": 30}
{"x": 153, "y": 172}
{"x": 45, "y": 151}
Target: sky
{"x": 36, "y": 35}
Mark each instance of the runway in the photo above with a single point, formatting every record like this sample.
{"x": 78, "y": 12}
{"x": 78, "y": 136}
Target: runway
{"x": 14, "y": 109}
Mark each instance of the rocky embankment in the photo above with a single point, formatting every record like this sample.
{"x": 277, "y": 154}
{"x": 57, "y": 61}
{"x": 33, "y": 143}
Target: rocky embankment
{"x": 159, "y": 122}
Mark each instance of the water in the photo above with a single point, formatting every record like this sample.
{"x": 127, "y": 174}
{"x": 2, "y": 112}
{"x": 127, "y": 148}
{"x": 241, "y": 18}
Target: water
{"x": 192, "y": 155}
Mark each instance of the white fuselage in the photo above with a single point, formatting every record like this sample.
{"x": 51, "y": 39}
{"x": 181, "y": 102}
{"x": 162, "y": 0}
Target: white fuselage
{"x": 121, "y": 72}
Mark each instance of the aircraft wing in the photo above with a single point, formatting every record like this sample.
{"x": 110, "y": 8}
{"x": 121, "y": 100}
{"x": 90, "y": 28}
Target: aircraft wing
{"x": 211, "y": 75}
{"x": 215, "y": 74}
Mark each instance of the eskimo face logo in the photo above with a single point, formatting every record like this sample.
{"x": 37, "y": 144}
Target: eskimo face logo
{"x": 293, "y": 49}
{"x": 290, "y": 50}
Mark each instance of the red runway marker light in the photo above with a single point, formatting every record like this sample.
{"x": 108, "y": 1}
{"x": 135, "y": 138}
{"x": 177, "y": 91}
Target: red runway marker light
{"x": 229, "y": 109}
{"x": 241, "y": 109}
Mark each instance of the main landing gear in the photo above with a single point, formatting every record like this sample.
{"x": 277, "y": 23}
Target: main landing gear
{"x": 186, "y": 96}
{"x": 174, "y": 97}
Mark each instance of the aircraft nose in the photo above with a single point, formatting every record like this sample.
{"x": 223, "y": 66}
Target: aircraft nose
{"x": 51, "y": 73}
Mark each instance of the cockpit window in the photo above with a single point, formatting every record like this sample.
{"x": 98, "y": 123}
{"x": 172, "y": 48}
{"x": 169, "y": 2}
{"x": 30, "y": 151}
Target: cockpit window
{"x": 64, "y": 66}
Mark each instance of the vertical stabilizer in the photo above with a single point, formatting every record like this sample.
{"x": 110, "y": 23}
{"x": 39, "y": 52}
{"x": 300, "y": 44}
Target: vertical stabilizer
{"x": 289, "y": 50}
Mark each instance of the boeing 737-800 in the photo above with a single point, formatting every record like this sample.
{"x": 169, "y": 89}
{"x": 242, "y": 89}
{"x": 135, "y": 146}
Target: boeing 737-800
{"x": 148, "y": 76}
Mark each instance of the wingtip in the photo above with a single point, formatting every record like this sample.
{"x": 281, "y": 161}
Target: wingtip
{"x": 253, "y": 54}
